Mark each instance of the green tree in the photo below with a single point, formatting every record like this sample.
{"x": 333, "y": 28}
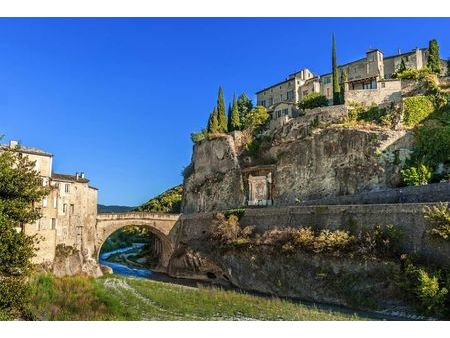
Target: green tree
{"x": 313, "y": 100}
{"x": 344, "y": 79}
{"x": 20, "y": 190}
{"x": 234, "y": 122}
{"x": 448, "y": 67}
{"x": 244, "y": 105}
{"x": 257, "y": 117}
{"x": 221, "y": 114}
{"x": 336, "y": 88}
{"x": 416, "y": 176}
{"x": 434, "y": 59}
{"x": 402, "y": 66}
{"x": 213, "y": 122}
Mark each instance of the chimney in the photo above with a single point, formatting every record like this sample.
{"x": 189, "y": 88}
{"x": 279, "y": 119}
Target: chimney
{"x": 77, "y": 175}
{"x": 82, "y": 174}
{"x": 399, "y": 51}
{"x": 13, "y": 144}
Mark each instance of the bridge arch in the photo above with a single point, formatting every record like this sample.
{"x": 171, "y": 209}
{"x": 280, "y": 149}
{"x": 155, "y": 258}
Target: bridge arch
{"x": 159, "y": 224}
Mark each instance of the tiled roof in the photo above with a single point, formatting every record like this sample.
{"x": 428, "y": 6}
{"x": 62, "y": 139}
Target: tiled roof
{"x": 27, "y": 150}
{"x": 70, "y": 178}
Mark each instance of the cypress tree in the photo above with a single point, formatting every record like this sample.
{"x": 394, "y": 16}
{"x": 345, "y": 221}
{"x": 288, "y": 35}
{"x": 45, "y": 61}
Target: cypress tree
{"x": 434, "y": 59}
{"x": 336, "y": 89}
{"x": 233, "y": 120}
{"x": 344, "y": 79}
{"x": 221, "y": 115}
{"x": 448, "y": 67}
{"x": 244, "y": 105}
{"x": 402, "y": 67}
{"x": 213, "y": 123}
{"x": 229, "y": 116}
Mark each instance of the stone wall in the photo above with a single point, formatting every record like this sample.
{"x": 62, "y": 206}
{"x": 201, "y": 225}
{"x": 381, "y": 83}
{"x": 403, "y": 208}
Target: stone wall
{"x": 433, "y": 192}
{"x": 391, "y": 92}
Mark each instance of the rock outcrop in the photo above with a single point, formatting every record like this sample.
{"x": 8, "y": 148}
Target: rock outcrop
{"x": 309, "y": 157}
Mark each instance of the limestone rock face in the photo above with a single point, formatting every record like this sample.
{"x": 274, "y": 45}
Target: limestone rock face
{"x": 69, "y": 262}
{"x": 216, "y": 181}
{"x": 310, "y": 158}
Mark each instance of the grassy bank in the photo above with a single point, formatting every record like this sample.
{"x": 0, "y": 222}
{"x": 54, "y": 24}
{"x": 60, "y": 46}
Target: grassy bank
{"x": 118, "y": 298}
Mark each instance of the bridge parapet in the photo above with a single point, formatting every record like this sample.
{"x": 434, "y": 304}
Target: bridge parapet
{"x": 137, "y": 215}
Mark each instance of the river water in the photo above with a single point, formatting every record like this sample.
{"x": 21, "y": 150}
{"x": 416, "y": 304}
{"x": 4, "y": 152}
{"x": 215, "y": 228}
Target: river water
{"x": 122, "y": 269}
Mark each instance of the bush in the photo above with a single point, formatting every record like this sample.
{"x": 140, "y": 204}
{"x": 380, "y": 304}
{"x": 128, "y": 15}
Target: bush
{"x": 425, "y": 290}
{"x": 200, "y": 136}
{"x": 416, "y": 109}
{"x": 414, "y": 74}
{"x": 227, "y": 231}
{"x": 359, "y": 112}
{"x": 416, "y": 176}
{"x": 256, "y": 118}
{"x": 432, "y": 144}
{"x": 438, "y": 220}
{"x": 313, "y": 100}
{"x": 380, "y": 242}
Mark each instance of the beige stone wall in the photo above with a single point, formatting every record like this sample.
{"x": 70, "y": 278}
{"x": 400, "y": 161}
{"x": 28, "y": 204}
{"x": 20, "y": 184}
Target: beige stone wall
{"x": 43, "y": 163}
{"x": 386, "y": 92}
{"x": 277, "y": 94}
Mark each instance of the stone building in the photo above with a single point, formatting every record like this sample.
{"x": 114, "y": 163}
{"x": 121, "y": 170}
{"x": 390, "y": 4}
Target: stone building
{"x": 370, "y": 73}
{"x": 69, "y": 211}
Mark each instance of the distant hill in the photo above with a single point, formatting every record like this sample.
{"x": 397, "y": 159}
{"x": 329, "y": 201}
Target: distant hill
{"x": 113, "y": 208}
{"x": 169, "y": 202}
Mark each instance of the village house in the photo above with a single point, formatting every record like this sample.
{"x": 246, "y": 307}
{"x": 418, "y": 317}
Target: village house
{"x": 369, "y": 80}
{"x": 70, "y": 206}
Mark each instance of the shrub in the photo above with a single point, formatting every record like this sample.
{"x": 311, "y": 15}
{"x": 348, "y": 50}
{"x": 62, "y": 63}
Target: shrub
{"x": 359, "y": 112}
{"x": 380, "y": 242}
{"x": 414, "y": 74}
{"x": 432, "y": 144}
{"x": 313, "y": 100}
{"x": 416, "y": 109}
{"x": 332, "y": 241}
{"x": 416, "y": 176}
{"x": 227, "y": 231}
{"x": 429, "y": 296}
{"x": 200, "y": 136}
{"x": 438, "y": 220}
{"x": 236, "y": 212}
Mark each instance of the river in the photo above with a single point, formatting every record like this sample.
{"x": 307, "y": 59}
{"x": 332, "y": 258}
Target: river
{"x": 122, "y": 269}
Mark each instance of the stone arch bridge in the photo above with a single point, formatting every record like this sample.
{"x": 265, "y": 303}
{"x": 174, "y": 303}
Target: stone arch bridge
{"x": 159, "y": 224}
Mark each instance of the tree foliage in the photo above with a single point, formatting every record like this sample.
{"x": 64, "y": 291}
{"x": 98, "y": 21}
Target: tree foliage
{"x": 416, "y": 176}
{"x": 167, "y": 202}
{"x": 344, "y": 79}
{"x": 257, "y": 117}
{"x": 434, "y": 58}
{"x": 244, "y": 106}
{"x": 213, "y": 122}
{"x": 234, "y": 122}
{"x": 313, "y": 100}
{"x": 20, "y": 190}
{"x": 221, "y": 114}
{"x": 336, "y": 87}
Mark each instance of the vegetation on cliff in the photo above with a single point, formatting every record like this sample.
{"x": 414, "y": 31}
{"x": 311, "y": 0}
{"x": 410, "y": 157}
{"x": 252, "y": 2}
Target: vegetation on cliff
{"x": 20, "y": 190}
{"x": 167, "y": 202}
{"x": 117, "y": 298}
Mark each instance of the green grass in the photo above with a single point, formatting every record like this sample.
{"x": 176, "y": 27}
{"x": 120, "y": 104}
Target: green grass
{"x": 118, "y": 298}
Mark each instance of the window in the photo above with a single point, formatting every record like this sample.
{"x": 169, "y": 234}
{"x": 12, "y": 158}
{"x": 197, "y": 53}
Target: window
{"x": 383, "y": 85}
{"x": 285, "y": 111}
{"x": 263, "y": 103}
{"x": 67, "y": 187}
{"x": 64, "y": 208}
{"x": 53, "y": 223}
{"x": 327, "y": 80}
{"x": 270, "y": 102}
{"x": 57, "y": 185}
{"x": 281, "y": 97}
{"x": 72, "y": 209}
{"x": 290, "y": 95}
{"x": 55, "y": 202}
{"x": 44, "y": 202}
{"x": 328, "y": 92}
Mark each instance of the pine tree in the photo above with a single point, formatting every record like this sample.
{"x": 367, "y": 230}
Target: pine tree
{"x": 213, "y": 123}
{"x": 233, "y": 120}
{"x": 244, "y": 105}
{"x": 221, "y": 115}
{"x": 434, "y": 59}
{"x": 336, "y": 89}
{"x": 344, "y": 79}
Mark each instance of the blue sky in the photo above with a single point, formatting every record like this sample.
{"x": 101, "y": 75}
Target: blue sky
{"x": 118, "y": 98}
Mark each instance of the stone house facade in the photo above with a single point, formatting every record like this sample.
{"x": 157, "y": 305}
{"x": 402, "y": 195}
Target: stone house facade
{"x": 367, "y": 77}
{"x": 69, "y": 211}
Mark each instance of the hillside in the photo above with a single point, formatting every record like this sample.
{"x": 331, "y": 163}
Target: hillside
{"x": 113, "y": 208}
{"x": 168, "y": 202}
